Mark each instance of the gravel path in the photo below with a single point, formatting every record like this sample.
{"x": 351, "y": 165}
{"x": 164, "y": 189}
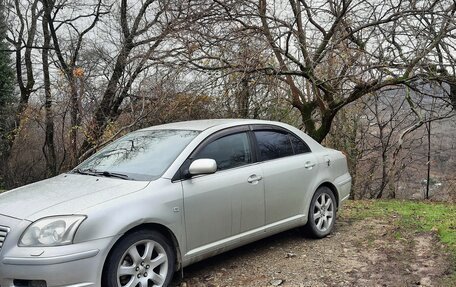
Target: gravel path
{"x": 359, "y": 253}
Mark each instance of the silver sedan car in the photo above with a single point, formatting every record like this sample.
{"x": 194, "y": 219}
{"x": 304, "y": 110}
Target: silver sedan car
{"x": 161, "y": 198}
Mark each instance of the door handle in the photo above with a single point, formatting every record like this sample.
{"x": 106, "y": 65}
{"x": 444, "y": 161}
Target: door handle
{"x": 254, "y": 178}
{"x": 309, "y": 165}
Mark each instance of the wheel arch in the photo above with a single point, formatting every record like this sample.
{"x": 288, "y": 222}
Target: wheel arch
{"x": 165, "y": 231}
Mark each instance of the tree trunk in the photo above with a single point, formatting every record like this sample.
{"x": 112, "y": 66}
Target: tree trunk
{"x": 428, "y": 182}
{"x": 49, "y": 147}
{"x": 107, "y": 111}
{"x": 322, "y": 131}
{"x": 384, "y": 175}
{"x": 23, "y": 62}
{"x": 384, "y": 148}
{"x": 242, "y": 99}
{"x": 453, "y": 94}
{"x": 75, "y": 122}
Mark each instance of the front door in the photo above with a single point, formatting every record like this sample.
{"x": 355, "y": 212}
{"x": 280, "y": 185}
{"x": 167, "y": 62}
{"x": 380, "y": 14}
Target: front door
{"x": 230, "y": 201}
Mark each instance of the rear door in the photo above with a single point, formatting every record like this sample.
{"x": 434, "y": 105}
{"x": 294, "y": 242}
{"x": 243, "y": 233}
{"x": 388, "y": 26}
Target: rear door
{"x": 231, "y": 200}
{"x": 288, "y": 169}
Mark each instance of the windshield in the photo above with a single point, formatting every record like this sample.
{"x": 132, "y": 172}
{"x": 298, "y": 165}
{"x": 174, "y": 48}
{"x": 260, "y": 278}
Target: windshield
{"x": 141, "y": 155}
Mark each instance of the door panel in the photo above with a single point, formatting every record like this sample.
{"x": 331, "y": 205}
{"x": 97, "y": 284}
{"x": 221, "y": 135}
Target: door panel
{"x": 251, "y": 207}
{"x": 223, "y": 204}
{"x": 230, "y": 201}
{"x": 286, "y": 181}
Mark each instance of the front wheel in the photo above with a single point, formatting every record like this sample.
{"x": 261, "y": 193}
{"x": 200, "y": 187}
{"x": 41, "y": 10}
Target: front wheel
{"x": 141, "y": 259}
{"x": 322, "y": 213}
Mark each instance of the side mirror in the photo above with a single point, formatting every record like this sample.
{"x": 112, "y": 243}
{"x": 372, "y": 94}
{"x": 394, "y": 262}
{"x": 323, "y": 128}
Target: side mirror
{"x": 202, "y": 166}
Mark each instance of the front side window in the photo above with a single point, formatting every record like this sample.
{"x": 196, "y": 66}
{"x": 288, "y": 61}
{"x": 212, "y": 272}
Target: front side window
{"x": 229, "y": 151}
{"x": 273, "y": 144}
{"x": 141, "y": 155}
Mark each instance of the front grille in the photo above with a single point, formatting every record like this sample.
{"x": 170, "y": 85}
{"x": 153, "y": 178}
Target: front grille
{"x": 3, "y": 233}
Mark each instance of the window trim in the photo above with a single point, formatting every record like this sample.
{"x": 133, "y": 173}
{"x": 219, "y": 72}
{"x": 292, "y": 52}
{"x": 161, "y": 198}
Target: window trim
{"x": 254, "y": 149}
{"x": 217, "y": 135}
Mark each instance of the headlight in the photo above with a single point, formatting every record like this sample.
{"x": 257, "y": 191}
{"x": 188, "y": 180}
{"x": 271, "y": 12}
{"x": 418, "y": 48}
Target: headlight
{"x": 51, "y": 231}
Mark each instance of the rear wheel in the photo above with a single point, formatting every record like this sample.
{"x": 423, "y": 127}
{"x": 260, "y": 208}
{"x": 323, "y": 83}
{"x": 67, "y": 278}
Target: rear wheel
{"x": 140, "y": 259}
{"x": 322, "y": 213}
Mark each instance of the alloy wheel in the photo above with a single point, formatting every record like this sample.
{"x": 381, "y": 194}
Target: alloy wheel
{"x": 323, "y": 212}
{"x": 144, "y": 264}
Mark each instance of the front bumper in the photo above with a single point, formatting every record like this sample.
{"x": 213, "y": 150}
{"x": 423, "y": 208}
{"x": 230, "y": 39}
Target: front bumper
{"x": 75, "y": 265}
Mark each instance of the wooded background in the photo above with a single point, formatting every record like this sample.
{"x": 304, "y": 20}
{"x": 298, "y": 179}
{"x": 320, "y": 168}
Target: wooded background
{"x": 375, "y": 79}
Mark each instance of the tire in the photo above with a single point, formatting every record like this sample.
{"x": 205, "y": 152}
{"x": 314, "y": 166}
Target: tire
{"x": 140, "y": 259}
{"x": 321, "y": 217}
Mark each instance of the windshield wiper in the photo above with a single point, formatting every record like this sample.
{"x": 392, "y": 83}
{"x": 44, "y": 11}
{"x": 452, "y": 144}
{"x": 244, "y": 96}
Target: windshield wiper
{"x": 106, "y": 173}
{"x": 113, "y": 174}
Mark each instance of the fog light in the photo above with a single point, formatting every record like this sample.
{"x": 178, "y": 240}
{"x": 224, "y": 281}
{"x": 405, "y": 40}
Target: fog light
{"x": 29, "y": 283}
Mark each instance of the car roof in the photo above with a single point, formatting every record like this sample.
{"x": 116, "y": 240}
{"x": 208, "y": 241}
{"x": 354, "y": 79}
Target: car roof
{"x": 201, "y": 125}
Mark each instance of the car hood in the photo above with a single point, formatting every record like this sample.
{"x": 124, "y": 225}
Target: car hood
{"x": 64, "y": 194}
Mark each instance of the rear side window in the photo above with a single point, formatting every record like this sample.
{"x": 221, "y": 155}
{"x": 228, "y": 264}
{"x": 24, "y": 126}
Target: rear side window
{"x": 229, "y": 151}
{"x": 298, "y": 145}
{"x": 273, "y": 144}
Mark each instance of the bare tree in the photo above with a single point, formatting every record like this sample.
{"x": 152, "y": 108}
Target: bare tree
{"x": 49, "y": 143}
{"x": 384, "y": 136}
{"x": 7, "y": 85}
{"x": 23, "y": 37}
{"x": 332, "y": 53}
{"x": 388, "y": 116}
{"x": 146, "y": 41}
{"x": 68, "y": 59}
{"x": 90, "y": 71}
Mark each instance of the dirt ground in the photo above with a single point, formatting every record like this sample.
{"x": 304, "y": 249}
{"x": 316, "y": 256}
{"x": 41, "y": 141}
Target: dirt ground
{"x": 369, "y": 252}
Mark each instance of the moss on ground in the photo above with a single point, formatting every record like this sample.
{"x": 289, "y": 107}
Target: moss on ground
{"x": 413, "y": 216}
